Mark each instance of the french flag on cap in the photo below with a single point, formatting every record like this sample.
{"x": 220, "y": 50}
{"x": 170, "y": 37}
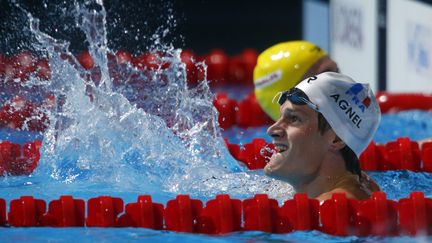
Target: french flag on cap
{"x": 358, "y": 96}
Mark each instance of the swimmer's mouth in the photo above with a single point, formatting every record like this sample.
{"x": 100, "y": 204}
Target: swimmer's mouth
{"x": 280, "y": 148}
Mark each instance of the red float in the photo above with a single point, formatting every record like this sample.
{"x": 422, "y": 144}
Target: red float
{"x": 23, "y": 65}
{"x": 426, "y": 155}
{"x": 2, "y": 212}
{"x": 300, "y": 213}
{"x": 65, "y": 212}
{"x": 375, "y": 216}
{"x": 415, "y": 214}
{"x": 150, "y": 61}
{"x": 335, "y": 215}
{"x": 249, "y": 59}
{"x": 189, "y": 59}
{"x": 261, "y": 213}
{"x": 144, "y": 213}
{"x": 103, "y": 211}
{"x": 26, "y": 212}
{"x": 123, "y": 57}
{"x": 227, "y": 110}
{"x": 86, "y": 60}
{"x": 404, "y": 154}
{"x": 220, "y": 216}
{"x": 217, "y": 66}
{"x": 393, "y": 102}
{"x": 43, "y": 70}
{"x": 181, "y": 214}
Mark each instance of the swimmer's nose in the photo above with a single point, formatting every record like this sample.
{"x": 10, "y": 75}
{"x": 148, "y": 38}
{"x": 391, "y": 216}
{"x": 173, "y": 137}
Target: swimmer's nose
{"x": 275, "y": 131}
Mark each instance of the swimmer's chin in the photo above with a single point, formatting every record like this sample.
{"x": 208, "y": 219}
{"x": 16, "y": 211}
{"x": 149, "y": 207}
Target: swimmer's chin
{"x": 273, "y": 163}
{"x": 276, "y": 161}
{"x": 268, "y": 169}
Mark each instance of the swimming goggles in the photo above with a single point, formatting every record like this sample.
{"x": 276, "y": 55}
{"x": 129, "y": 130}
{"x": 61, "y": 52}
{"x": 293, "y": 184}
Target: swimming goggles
{"x": 297, "y": 97}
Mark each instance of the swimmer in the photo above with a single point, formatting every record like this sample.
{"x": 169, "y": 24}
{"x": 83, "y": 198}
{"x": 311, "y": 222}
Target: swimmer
{"x": 282, "y": 66}
{"x": 326, "y": 122}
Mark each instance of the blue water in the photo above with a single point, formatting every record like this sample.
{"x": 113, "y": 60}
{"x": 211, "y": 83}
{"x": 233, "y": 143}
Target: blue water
{"x": 140, "y": 235}
{"x": 152, "y": 134}
{"x": 396, "y": 184}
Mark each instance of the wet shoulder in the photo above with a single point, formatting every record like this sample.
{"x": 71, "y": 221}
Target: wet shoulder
{"x": 353, "y": 187}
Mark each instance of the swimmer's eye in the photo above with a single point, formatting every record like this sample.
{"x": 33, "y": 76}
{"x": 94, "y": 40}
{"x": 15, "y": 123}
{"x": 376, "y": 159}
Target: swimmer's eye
{"x": 292, "y": 118}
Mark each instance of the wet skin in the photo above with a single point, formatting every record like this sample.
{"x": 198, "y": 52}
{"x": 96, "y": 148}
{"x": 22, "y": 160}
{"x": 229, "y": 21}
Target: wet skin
{"x": 296, "y": 138}
{"x": 310, "y": 160}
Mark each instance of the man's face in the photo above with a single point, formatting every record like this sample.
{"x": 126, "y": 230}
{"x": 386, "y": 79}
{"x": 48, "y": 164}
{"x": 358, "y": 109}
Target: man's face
{"x": 299, "y": 145}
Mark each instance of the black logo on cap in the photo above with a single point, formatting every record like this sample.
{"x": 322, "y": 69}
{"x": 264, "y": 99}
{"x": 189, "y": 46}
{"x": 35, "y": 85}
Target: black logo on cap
{"x": 312, "y": 79}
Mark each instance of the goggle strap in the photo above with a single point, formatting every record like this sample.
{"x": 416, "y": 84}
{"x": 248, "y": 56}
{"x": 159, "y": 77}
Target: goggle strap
{"x": 278, "y": 95}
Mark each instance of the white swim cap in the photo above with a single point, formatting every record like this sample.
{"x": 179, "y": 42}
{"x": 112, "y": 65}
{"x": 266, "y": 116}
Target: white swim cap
{"x": 349, "y": 107}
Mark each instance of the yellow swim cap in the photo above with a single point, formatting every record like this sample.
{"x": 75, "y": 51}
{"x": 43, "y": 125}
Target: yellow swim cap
{"x": 281, "y": 67}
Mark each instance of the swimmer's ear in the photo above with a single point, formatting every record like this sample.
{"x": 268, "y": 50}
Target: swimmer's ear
{"x": 337, "y": 144}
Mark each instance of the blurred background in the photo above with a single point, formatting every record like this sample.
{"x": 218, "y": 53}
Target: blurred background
{"x": 200, "y": 25}
{"x": 387, "y": 43}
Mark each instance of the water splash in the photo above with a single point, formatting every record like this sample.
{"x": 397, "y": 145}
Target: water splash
{"x": 132, "y": 128}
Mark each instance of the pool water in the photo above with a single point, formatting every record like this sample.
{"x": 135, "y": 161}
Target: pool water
{"x": 396, "y": 184}
{"x": 149, "y": 133}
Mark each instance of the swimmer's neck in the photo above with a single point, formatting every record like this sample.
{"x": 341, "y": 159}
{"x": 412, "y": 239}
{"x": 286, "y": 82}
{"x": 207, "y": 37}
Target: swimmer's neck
{"x": 329, "y": 175}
